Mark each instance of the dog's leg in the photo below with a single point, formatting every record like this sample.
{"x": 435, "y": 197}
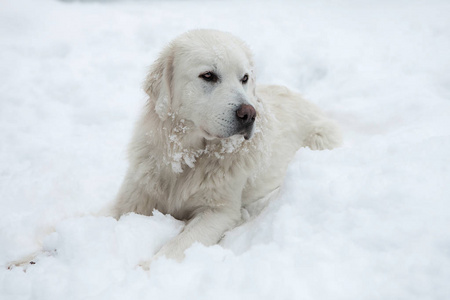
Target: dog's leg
{"x": 316, "y": 130}
{"x": 206, "y": 227}
{"x": 132, "y": 197}
{"x": 323, "y": 134}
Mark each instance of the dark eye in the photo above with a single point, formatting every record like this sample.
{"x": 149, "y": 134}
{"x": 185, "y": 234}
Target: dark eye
{"x": 209, "y": 76}
{"x": 244, "y": 79}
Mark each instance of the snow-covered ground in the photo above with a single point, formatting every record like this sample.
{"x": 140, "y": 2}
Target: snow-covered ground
{"x": 370, "y": 220}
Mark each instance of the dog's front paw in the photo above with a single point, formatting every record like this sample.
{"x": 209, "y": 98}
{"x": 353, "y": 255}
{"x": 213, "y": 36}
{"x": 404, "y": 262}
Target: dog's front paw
{"x": 167, "y": 253}
{"x": 170, "y": 252}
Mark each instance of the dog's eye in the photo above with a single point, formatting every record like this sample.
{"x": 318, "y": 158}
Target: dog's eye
{"x": 209, "y": 76}
{"x": 244, "y": 79}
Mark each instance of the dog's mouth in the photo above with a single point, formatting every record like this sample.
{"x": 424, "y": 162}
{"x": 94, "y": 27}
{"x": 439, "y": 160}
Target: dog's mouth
{"x": 247, "y": 133}
{"x": 208, "y": 135}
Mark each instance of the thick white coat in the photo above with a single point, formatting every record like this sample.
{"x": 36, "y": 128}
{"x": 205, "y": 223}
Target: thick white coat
{"x": 184, "y": 158}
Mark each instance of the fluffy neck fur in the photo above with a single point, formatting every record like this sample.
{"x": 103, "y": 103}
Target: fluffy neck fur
{"x": 180, "y": 144}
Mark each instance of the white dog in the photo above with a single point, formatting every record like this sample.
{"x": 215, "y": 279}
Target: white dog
{"x": 210, "y": 142}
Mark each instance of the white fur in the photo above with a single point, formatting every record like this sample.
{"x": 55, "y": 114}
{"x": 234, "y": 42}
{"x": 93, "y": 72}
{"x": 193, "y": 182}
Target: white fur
{"x": 185, "y": 158}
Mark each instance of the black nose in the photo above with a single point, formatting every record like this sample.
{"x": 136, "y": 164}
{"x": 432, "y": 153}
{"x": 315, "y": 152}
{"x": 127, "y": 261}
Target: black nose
{"x": 246, "y": 114}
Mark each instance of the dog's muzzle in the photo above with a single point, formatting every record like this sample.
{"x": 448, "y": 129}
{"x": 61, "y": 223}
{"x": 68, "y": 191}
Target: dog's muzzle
{"x": 246, "y": 115}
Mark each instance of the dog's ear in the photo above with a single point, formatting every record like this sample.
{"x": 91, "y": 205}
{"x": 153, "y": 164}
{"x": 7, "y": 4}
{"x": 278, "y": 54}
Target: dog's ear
{"x": 158, "y": 84}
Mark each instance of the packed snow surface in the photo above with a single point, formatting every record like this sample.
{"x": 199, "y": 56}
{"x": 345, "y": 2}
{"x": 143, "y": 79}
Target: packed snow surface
{"x": 370, "y": 220}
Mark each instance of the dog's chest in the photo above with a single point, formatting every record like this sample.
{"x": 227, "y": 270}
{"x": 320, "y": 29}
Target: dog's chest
{"x": 213, "y": 178}
{"x": 179, "y": 194}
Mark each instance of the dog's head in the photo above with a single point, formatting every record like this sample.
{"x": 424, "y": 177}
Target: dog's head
{"x": 206, "y": 77}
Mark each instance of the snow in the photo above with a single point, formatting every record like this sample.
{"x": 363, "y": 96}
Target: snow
{"x": 369, "y": 220}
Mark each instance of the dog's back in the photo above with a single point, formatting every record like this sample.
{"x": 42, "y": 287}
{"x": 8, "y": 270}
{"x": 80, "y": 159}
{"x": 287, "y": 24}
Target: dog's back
{"x": 293, "y": 123}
